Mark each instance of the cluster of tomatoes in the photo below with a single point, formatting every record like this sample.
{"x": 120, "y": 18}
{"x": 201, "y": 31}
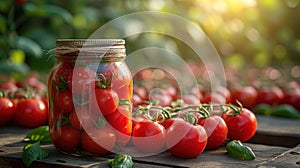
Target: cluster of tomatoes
{"x": 91, "y": 110}
{"x": 187, "y": 130}
{"x": 249, "y": 95}
{"x": 23, "y": 103}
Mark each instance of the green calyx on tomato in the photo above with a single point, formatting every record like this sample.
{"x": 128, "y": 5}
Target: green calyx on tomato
{"x": 237, "y": 150}
{"x": 104, "y": 83}
{"x": 62, "y": 84}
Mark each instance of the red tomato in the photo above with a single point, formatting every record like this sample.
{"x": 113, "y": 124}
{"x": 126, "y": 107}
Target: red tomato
{"x": 98, "y": 141}
{"x": 168, "y": 122}
{"x": 198, "y": 93}
{"x": 122, "y": 82}
{"x": 272, "y": 96}
{"x": 213, "y": 98}
{"x": 216, "y": 130}
{"x": 162, "y": 98}
{"x": 34, "y": 82}
{"x": 224, "y": 92}
{"x": 65, "y": 138}
{"x": 7, "y": 109}
{"x": 63, "y": 76}
{"x": 20, "y": 2}
{"x": 9, "y": 85}
{"x": 137, "y": 119}
{"x": 141, "y": 92}
{"x": 82, "y": 118}
{"x": 292, "y": 98}
{"x": 190, "y": 99}
{"x": 242, "y": 126}
{"x": 136, "y": 100}
{"x": 246, "y": 95}
{"x": 31, "y": 113}
{"x": 119, "y": 76}
{"x": 186, "y": 140}
{"x": 123, "y": 126}
{"x": 148, "y": 136}
{"x": 63, "y": 101}
{"x": 172, "y": 92}
{"x": 83, "y": 80}
{"x": 107, "y": 101}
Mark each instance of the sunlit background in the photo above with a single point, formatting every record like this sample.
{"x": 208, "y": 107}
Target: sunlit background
{"x": 247, "y": 33}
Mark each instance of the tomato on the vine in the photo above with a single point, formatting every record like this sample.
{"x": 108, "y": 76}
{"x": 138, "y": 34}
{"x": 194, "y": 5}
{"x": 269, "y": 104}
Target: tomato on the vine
{"x": 168, "y": 122}
{"x": 121, "y": 122}
{"x": 137, "y": 119}
{"x": 216, "y": 130}
{"x": 7, "y": 109}
{"x": 31, "y": 113}
{"x": 186, "y": 140}
{"x": 65, "y": 138}
{"x": 98, "y": 141}
{"x": 241, "y": 126}
{"x": 148, "y": 136}
{"x": 107, "y": 100}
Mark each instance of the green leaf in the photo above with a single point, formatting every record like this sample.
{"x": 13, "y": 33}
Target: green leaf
{"x": 59, "y": 11}
{"x": 3, "y": 24}
{"x": 33, "y": 153}
{"x": 286, "y": 110}
{"x": 237, "y": 150}
{"x": 121, "y": 161}
{"x": 40, "y": 134}
{"x": 263, "y": 109}
{"x": 15, "y": 70}
{"x": 48, "y": 11}
{"x": 29, "y": 46}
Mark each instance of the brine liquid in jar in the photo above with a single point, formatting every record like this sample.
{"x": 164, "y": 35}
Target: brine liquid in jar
{"x": 90, "y": 94}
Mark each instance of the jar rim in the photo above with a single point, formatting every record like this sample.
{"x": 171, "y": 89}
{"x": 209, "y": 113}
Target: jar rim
{"x": 78, "y": 43}
{"x": 90, "y": 48}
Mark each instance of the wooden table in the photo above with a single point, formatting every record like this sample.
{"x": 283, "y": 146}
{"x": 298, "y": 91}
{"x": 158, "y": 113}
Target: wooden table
{"x": 285, "y": 154}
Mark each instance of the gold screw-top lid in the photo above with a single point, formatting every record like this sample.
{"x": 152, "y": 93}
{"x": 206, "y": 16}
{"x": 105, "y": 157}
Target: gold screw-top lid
{"x": 89, "y": 42}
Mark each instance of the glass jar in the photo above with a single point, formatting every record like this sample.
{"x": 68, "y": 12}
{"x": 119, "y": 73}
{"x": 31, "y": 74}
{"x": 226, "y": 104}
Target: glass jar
{"x": 90, "y": 94}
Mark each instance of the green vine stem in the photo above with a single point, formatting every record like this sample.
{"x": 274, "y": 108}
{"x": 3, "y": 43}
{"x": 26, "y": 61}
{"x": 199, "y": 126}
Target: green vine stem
{"x": 191, "y": 112}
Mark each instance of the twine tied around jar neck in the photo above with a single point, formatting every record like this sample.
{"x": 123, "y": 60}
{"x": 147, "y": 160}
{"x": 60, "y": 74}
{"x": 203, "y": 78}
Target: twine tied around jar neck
{"x": 105, "y": 49}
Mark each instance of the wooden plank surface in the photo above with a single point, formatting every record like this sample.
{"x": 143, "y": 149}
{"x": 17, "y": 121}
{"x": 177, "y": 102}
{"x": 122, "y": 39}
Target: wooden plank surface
{"x": 277, "y": 131}
{"x": 11, "y": 145}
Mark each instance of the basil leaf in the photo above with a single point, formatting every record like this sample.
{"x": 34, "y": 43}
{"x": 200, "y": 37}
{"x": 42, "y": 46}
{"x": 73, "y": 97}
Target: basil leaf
{"x": 121, "y": 161}
{"x": 40, "y": 134}
{"x": 237, "y": 150}
{"x": 32, "y": 153}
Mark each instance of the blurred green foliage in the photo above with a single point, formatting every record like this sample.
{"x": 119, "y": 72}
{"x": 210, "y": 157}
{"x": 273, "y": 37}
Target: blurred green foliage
{"x": 256, "y": 33}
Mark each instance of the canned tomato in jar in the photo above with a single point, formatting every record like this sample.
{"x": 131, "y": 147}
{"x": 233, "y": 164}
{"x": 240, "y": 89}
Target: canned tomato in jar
{"x": 90, "y": 94}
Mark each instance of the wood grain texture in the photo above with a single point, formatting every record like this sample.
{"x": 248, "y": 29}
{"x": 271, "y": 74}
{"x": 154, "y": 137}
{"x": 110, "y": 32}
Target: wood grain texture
{"x": 11, "y": 144}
